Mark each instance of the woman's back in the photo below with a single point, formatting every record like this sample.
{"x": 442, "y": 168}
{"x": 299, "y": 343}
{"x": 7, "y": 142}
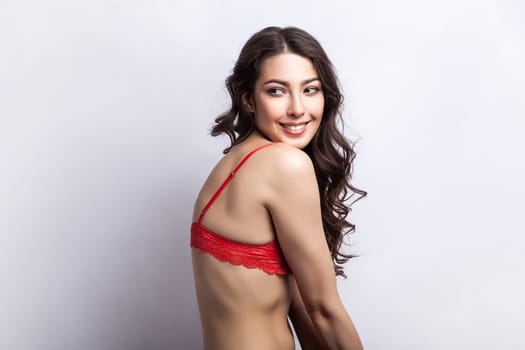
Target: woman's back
{"x": 250, "y": 310}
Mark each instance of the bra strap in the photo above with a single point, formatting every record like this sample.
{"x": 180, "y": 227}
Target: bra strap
{"x": 229, "y": 178}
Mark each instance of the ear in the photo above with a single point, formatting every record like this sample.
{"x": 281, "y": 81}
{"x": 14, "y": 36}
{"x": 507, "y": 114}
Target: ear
{"x": 248, "y": 103}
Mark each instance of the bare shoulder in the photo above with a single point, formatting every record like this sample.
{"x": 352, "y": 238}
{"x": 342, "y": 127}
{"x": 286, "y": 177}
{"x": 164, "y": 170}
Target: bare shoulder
{"x": 287, "y": 160}
{"x": 286, "y": 170}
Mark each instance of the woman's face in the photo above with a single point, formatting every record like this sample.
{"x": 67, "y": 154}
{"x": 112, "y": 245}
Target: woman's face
{"x": 288, "y": 100}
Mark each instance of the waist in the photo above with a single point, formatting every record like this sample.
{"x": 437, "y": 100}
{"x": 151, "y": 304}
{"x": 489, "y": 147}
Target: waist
{"x": 248, "y": 331}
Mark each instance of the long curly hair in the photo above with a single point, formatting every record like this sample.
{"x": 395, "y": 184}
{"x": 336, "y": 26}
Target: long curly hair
{"x": 331, "y": 153}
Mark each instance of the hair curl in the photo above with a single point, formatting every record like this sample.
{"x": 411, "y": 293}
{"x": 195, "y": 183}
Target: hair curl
{"x": 331, "y": 153}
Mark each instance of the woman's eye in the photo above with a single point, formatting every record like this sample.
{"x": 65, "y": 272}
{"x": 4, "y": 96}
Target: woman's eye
{"x": 276, "y": 91}
{"x": 311, "y": 90}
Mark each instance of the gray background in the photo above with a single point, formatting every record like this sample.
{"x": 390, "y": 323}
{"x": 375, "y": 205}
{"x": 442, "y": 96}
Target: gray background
{"x": 105, "y": 108}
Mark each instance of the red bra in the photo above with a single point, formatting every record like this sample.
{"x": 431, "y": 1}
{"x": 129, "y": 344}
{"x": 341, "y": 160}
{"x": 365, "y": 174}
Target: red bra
{"x": 267, "y": 257}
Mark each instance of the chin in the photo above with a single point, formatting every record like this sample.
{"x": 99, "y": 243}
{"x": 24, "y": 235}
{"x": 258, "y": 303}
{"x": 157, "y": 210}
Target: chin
{"x": 301, "y": 144}
{"x": 297, "y": 141}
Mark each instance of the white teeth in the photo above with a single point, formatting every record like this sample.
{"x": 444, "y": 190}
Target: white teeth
{"x": 295, "y": 127}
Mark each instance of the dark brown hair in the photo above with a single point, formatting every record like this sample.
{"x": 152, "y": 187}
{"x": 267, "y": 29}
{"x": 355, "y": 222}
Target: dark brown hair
{"x": 331, "y": 153}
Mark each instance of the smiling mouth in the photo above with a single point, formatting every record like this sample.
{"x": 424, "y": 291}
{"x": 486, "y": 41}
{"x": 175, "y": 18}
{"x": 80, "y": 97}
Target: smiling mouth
{"x": 294, "y": 127}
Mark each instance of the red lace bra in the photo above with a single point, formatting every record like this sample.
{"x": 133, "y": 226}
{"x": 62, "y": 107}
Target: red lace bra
{"x": 267, "y": 257}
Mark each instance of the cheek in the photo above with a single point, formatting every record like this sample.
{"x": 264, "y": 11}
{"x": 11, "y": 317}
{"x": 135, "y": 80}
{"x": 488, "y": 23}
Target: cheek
{"x": 320, "y": 110}
{"x": 316, "y": 107}
{"x": 265, "y": 116}
{"x": 272, "y": 109}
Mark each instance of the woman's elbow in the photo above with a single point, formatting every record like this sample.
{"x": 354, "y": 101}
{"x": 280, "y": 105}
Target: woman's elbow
{"x": 335, "y": 326}
{"x": 323, "y": 312}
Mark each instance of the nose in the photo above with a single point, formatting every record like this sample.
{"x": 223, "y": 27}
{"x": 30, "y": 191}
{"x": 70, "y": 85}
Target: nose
{"x": 296, "y": 106}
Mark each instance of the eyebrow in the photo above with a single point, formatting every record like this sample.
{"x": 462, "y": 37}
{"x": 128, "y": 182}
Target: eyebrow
{"x": 285, "y": 83}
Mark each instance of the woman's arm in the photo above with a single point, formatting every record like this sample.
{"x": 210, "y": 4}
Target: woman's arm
{"x": 294, "y": 204}
{"x": 302, "y": 323}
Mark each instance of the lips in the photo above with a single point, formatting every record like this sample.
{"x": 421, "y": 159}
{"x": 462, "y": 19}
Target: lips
{"x": 294, "y": 128}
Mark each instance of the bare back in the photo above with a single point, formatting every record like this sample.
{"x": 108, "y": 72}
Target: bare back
{"x": 240, "y": 307}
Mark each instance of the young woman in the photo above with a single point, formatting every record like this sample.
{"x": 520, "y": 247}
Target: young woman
{"x": 270, "y": 219}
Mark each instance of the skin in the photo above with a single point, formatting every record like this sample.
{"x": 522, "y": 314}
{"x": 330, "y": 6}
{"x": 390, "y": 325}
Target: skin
{"x": 274, "y": 195}
{"x": 288, "y": 92}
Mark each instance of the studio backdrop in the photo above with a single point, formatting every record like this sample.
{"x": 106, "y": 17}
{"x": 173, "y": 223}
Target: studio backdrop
{"x": 105, "y": 112}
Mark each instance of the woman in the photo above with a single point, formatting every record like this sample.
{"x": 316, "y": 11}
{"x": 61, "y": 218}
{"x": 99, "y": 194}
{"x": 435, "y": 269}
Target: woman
{"x": 269, "y": 221}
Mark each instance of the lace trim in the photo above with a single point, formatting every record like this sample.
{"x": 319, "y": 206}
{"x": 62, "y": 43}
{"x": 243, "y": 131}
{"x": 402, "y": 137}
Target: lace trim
{"x": 267, "y": 257}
